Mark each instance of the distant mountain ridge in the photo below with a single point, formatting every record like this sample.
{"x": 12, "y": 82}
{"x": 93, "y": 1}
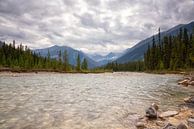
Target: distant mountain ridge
{"x": 72, "y": 54}
{"x": 137, "y": 52}
{"x": 102, "y": 60}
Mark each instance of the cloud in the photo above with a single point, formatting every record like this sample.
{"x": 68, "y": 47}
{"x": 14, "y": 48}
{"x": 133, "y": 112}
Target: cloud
{"x": 94, "y": 26}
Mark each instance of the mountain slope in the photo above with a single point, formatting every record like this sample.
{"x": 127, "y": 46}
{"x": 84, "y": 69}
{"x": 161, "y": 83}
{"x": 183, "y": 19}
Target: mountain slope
{"x": 137, "y": 52}
{"x": 102, "y": 60}
{"x": 72, "y": 54}
{"x": 1, "y": 43}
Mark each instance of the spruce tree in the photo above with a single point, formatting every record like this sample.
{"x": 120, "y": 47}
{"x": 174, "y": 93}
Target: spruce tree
{"x": 78, "y": 67}
{"x": 84, "y": 65}
{"x": 66, "y": 61}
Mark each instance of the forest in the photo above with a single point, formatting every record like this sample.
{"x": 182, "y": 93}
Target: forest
{"x": 171, "y": 53}
{"x": 168, "y": 53}
{"x": 21, "y": 57}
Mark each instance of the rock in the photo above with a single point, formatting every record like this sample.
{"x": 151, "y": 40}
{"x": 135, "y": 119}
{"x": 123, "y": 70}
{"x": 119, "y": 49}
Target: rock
{"x": 191, "y": 79}
{"x": 169, "y": 126}
{"x": 140, "y": 125}
{"x": 160, "y": 123}
{"x": 182, "y": 126}
{"x": 131, "y": 119}
{"x": 154, "y": 105}
{"x": 168, "y": 114}
{"x": 184, "y": 82}
{"x": 189, "y": 100}
{"x": 191, "y": 83}
{"x": 191, "y": 122}
{"x": 151, "y": 113}
{"x": 186, "y": 100}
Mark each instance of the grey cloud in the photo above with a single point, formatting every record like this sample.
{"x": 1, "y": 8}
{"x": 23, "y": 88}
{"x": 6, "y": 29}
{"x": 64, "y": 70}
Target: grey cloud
{"x": 90, "y": 23}
{"x": 93, "y": 2}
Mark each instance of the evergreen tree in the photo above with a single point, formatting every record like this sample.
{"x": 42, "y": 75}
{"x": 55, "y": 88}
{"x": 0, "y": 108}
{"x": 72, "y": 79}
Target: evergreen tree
{"x": 84, "y": 65}
{"x": 66, "y": 61}
{"x": 20, "y": 58}
{"x": 78, "y": 67}
{"x": 59, "y": 56}
{"x": 174, "y": 52}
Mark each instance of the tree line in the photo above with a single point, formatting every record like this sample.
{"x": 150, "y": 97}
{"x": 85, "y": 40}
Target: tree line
{"x": 21, "y": 57}
{"x": 171, "y": 53}
{"x": 167, "y": 53}
{"x": 130, "y": 66}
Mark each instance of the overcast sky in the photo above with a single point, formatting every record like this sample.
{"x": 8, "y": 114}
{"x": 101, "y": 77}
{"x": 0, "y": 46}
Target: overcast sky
{"x": 93, "y": 26}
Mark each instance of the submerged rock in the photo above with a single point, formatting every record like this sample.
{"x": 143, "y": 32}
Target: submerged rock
{"x": 191, "y": 83}
{"x": 187, "y": 81}
{"x": 191, "y": 122}
{"x": 184, "y": 82}
{"x": 169, "y": 126}
{"x": 182, "y": 126}
{"x": 168, "y": 114}
{"x": 189, "y": 100}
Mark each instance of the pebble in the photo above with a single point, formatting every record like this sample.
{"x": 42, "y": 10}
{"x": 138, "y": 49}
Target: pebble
{"x": 140, "y": 125}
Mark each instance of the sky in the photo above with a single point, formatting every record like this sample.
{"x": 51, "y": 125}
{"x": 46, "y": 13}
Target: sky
{"x": 92, "y": 26}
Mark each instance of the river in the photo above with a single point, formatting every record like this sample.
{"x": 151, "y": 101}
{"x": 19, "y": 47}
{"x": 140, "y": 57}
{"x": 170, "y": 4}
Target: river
{"x": 83, "y": 101}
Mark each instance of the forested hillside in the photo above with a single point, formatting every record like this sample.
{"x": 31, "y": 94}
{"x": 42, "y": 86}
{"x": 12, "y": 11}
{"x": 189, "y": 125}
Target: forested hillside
{"x": 171, "y": 53}
{"x": 168, "y": 53}
{"x": 21, "y": 57}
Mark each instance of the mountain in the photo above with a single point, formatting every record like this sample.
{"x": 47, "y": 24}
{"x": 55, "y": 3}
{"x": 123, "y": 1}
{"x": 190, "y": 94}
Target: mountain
{"x": 137, "y": 52}
{"x": 1, "y": 43}
{"x": 102, "y": 60}
{"x": 96, "y": 57}
{"x": 72, "y": 54}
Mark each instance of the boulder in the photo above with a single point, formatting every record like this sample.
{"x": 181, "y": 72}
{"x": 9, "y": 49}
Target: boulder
{"x": 191, "y": 83}
{"x": 184, "y": 82}
{"x": 182, "y": 126}
{"x": 189, "y": 100}
{"x": 169, "y": 126}
{"x": 168, "y": 114}
{"x": 151, "y": 112}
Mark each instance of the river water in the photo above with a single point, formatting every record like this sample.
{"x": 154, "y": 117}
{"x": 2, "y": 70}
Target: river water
{"x": 83, "y": 101}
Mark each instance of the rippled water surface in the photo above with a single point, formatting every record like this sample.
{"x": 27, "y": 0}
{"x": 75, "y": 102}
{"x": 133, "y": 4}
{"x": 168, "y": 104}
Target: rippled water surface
{"x": 83, "y": 101}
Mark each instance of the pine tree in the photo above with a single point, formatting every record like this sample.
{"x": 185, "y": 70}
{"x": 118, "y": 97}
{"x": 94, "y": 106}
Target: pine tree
{"x": 59, "y": 56}
{"x": 78, "y": 67}
{"x": 84, "y": 65}
{"x": 66, "y": 61}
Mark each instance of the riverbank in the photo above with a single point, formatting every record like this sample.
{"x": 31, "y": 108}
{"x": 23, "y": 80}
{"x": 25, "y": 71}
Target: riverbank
{"x": 181, "y": 71}
{"x": 157, "y": 119}
{"x": 13, "y": 70}
{"x": 183, "y": 118}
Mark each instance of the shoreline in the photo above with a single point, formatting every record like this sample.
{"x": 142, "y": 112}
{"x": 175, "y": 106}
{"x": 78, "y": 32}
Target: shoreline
{"x": 181, "y": 118}
{"x": 11, "y": 70}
